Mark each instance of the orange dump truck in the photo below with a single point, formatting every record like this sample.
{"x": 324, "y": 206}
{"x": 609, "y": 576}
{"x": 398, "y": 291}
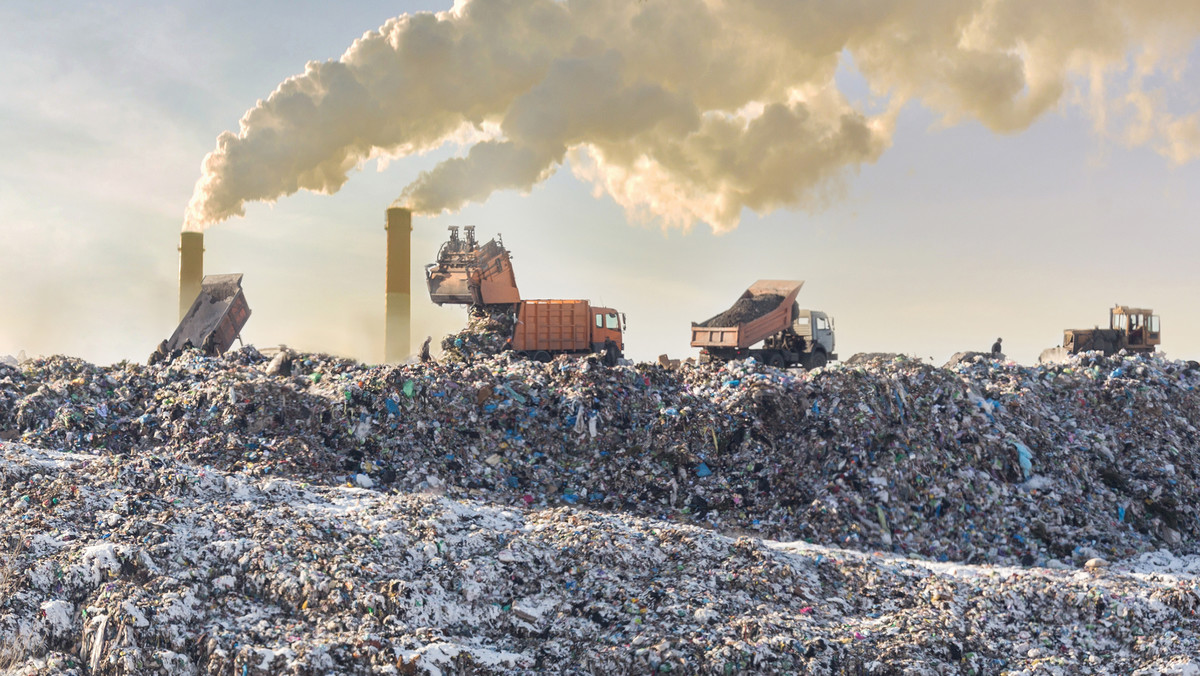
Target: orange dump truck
{"x": 548, "y": 327}
{"x": 481, "y": 275}
{"x": 768, "y": 313}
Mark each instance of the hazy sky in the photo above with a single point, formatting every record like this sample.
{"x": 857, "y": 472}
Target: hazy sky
{"x": 958, "y": 221}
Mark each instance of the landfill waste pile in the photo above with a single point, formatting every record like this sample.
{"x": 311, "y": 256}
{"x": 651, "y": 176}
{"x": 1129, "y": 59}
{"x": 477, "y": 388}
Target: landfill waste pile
{"x": 743, "y": 310}
{"x": 863, "y": 358}
{"x": 146, "y": 564}
{"x": 989, "y": 462}
{"x": 224, "y": 513}
{"x": 969, "y": 357}
{"x": 487, "y": 333}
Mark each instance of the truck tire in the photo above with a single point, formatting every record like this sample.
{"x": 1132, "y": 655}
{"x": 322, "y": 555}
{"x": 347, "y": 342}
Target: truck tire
{"x": 542, "y": 356}
{"x": 817, "y": 359}
{"x": 775, "y": 359}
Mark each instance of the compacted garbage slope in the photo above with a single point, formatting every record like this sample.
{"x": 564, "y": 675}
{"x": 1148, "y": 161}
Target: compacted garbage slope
{"x": 494, "y": 515}
{"x": 148, "y": 565}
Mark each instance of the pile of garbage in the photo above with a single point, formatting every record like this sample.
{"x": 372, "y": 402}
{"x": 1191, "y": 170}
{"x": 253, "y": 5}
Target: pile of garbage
{"x": 487, "y": 334}
{"x": 145, "y": 564}
{"x": 988, "y": 462}
{"x": 744, "y": 309}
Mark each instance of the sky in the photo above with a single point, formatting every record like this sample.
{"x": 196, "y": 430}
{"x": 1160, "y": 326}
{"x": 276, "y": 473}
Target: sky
{"x": 958, "y": 220}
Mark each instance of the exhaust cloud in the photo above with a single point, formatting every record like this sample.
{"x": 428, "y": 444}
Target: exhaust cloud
{"x": 690, "y": 111}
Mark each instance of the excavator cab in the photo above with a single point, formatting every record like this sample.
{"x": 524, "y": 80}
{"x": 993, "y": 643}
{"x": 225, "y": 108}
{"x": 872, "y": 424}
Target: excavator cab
{"x": 1140, "y": 326}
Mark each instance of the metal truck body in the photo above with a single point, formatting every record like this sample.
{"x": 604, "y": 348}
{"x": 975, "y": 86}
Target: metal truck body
{"x": 548, "y": 327}
{"x": 214, "y": 320}
{"x": 469, "y": 274}
{"x": 768, "y": 313}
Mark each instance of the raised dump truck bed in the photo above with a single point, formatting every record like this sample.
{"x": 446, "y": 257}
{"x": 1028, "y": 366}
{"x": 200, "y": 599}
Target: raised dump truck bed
{"x": 215, "y": 318}
{"x": 761, "y": 311}
{"x": 767, "y": 313}
{"x": 467, "y": 273}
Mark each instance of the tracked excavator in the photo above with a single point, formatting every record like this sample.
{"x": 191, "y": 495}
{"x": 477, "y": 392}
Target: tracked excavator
{"x": 481, "y": 275}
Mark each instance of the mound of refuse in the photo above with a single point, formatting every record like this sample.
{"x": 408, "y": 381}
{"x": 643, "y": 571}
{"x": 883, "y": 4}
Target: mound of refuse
{"x": 486, "y": 334}
{"x": 499, "y": 515}
{"x": 743, "y": 310}
{"x": 149, "y": 565}
{"x": 987, "y": 462}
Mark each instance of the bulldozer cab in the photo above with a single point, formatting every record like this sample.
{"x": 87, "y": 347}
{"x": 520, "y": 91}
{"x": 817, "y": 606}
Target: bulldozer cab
{"x": 1139, "y": 325}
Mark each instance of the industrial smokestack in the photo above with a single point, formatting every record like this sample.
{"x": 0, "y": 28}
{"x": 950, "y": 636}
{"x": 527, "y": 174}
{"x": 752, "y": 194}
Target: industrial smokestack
{"x": 399, "y": 303}
{"x": 191, "y": 269}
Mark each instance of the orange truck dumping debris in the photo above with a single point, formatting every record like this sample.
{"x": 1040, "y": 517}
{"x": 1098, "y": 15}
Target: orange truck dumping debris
{"x": 768, "y": 313}
{"x": 467, "y": 273}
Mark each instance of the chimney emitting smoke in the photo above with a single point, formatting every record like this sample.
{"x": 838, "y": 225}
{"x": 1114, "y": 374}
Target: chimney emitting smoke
{"x": 191, "y": 269}
{"x": 399, "y": 302}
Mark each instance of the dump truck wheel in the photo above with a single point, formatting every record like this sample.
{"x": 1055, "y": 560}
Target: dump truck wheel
{"x": 775, "y": 359}
{"x": 542, "y": 356}
{"x": 817, "y": 360}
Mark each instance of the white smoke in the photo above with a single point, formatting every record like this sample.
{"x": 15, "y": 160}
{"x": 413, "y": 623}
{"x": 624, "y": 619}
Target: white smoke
{"x": 690, "y": 111}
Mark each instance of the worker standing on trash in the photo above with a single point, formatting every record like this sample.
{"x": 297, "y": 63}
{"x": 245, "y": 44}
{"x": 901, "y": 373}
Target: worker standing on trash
{"x": 996, "y": 347}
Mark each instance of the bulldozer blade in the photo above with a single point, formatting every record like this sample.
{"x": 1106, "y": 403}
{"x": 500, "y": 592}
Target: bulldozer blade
{"x": 1054, "y": 355}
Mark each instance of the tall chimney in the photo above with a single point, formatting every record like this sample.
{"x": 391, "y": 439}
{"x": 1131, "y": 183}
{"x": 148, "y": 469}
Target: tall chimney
{"x": 396, "y": 331}
{"x": 191, "y": 269}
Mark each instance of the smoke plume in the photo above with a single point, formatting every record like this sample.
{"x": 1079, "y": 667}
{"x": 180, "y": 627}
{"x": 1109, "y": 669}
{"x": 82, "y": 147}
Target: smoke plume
{"x": 690, "y": 111}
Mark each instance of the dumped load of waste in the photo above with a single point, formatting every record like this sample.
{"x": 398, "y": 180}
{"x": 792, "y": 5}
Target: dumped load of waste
{"x": 743, "y": 310}
{"x": 295, "y": 505}
{"x": 487, "y": 333}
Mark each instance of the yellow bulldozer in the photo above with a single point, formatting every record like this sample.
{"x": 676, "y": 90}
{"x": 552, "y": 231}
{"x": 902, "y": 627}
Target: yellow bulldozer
{"x": 1129, "y": 328}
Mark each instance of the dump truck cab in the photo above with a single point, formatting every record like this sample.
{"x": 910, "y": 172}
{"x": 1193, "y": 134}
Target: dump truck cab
{"x": 608, "y": 324}
{"x": 816, "y": 328}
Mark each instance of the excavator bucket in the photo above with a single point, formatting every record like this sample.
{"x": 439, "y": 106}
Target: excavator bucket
{"x": 469, "y": 274}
